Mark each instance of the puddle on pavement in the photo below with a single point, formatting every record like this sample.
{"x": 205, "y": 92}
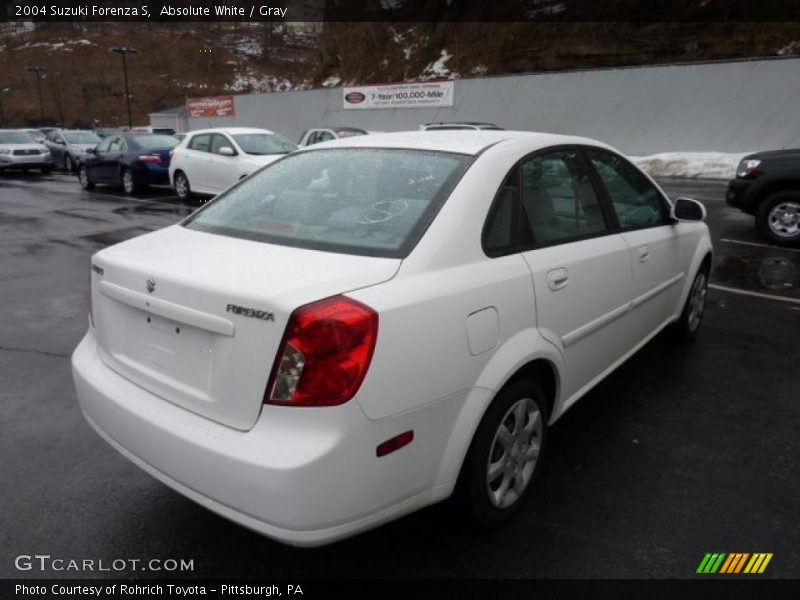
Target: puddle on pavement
{"x": 771, "y": 273}
{"x": 14, "y": 221}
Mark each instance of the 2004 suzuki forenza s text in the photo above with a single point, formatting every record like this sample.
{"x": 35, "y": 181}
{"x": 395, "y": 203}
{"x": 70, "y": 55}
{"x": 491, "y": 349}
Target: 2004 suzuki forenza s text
{"x": 365, "y": 327}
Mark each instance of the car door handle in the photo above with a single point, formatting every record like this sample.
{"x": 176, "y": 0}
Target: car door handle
{"x": 644, "y": 253}
{"x": 557, "y": 278}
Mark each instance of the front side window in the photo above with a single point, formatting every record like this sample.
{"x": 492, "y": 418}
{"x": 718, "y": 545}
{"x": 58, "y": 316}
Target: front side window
{"x": 558, "y": 200}
{"x": 637, "y": 202}
{"x": 201, "y": 143}
{"x": 373, "y": 202}
{"x": 219, "y": 141}
{"x": 323, "y": 136}
{"x": 105, "y": 145}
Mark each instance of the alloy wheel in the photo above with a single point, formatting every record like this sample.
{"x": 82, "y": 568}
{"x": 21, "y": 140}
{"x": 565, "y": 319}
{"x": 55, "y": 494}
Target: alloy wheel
{"x": 514, "y": 452}
{"x": 784, "y": 219}
{"x": 697, "y": 301}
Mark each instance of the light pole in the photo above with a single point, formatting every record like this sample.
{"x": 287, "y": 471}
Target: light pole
{"x": 3, "y": 92}
{"x": 124, "y": 50}
{"x": 38, "y": 70}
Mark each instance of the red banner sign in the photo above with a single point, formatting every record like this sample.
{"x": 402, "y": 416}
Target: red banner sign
{"x": 213, "y": 106}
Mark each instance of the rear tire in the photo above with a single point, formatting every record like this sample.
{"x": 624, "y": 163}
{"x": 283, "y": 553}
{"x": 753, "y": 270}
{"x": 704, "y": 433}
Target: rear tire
{"x": 778, "y": 218}
{"x": 83, "y": 179}
{"x": 686, "y": 328}
{"x": 128, "y": 184}
{"x": 69, "y": 164}
{"x": 504, "y": 456}
{"x": 181, "y": 185}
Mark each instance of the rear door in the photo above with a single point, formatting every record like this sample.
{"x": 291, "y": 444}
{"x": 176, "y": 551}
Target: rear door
{"x": 196, "y": 159}
{"x": 579, "y": 264}
{"x": 642, "y": 214}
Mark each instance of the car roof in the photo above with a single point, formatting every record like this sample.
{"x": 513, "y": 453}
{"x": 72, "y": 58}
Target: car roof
{"x": 231, "y": 130}
{"x": 458, "y": 141}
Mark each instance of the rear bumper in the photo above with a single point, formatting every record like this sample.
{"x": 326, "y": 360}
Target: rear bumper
{"x": 301, "y": 476}
{"x": 150, "y": 174}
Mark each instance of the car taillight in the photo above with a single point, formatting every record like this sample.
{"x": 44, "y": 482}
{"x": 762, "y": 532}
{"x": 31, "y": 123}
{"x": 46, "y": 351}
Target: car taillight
{"x": 150, "y": 158}
{"x": 324, "y": 354}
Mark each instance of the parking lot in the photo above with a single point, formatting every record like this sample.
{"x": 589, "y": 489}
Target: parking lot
{"x": 680, "y": 452}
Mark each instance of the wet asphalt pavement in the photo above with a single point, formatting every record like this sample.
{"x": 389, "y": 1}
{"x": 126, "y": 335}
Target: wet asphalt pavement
{"x": 680, "y": 452}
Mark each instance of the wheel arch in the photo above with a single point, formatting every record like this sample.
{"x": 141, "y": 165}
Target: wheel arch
{"x": 770, "y": 188}
{"x": 543, "y": 365}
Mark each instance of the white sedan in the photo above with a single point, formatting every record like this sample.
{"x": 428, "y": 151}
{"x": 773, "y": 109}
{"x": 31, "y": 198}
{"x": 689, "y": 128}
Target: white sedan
{"x": 208, "y": 161}
{"x": 371, "y": 325}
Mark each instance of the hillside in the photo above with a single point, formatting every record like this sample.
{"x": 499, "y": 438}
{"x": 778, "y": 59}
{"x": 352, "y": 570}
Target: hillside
{"x": 84, "y": 82}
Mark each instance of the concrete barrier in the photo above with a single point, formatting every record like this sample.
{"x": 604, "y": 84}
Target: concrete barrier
{"x": 735, "y": 106}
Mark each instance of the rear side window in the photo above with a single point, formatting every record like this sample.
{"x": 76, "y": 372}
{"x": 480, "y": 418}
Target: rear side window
{"x": 637, "y": 202}
{"x": 558, "y": 200}
{"x": 373, "y": 202}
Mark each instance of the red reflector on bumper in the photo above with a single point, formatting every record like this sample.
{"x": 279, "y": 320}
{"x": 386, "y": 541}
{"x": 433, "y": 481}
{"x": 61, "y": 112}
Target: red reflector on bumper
{"x": 395, "y": 443}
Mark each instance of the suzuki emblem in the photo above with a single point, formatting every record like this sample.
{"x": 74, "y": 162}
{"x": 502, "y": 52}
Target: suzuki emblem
{"x": 151, "y": 285}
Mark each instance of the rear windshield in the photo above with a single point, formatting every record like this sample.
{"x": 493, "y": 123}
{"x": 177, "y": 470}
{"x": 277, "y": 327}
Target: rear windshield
{"x": 155, "y": 141}
{"x": 264, "y": 143}
{"x": 81, "y": 137}
{"x": 368, "y": 201}
{"x": 15, "y": 137}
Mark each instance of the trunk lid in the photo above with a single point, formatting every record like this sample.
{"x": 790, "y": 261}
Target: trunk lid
{"x": 197, "y": 318}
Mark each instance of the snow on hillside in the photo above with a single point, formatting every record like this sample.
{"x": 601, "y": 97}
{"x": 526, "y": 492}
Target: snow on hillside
{"x": 691, "y": 165}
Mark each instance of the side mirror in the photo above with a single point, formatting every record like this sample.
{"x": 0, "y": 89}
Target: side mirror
{"x": 227, "y": 151}
{"x": 687, "y": 209}
{"x": 91, "y": 151}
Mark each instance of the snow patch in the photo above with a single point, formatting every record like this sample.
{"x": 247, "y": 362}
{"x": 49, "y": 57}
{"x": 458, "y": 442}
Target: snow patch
{"x": 438, "y": 69}
{"x": 332, "y": 81}
{"x": 690, "y": 165}
{"x": 247, "y": 81}
{"x": 789, "y": 49}
{"x": 67, "y": 46}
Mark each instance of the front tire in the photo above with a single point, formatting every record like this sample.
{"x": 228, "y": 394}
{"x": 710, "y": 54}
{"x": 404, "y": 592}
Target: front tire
{"x": 46, "y": 170}
{"x": 181, "y": 186}
{"x": 83, "y": 179}
{"x": 688, "y": 324}
{"x": 778, "y": 218}
{"x": 504, "y": 456}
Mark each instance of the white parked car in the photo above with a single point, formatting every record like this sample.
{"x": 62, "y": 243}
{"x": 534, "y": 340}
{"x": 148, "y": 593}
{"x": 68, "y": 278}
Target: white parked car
{"x": 326, "y": 134}
{"x": 365, "y": 327}
{"x": 210, "y": 160}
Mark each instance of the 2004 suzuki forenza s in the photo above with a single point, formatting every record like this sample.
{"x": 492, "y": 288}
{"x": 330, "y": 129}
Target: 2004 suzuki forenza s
{"x": 365, "y": 327}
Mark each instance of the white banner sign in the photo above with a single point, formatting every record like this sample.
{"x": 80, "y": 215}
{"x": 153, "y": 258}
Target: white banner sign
{"x": 431, "y": 94}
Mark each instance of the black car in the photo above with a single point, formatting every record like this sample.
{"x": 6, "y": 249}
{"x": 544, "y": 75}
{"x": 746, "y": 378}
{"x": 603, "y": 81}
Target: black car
{"x": 132, "y": 161}
{"x": 767, "y": 186}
